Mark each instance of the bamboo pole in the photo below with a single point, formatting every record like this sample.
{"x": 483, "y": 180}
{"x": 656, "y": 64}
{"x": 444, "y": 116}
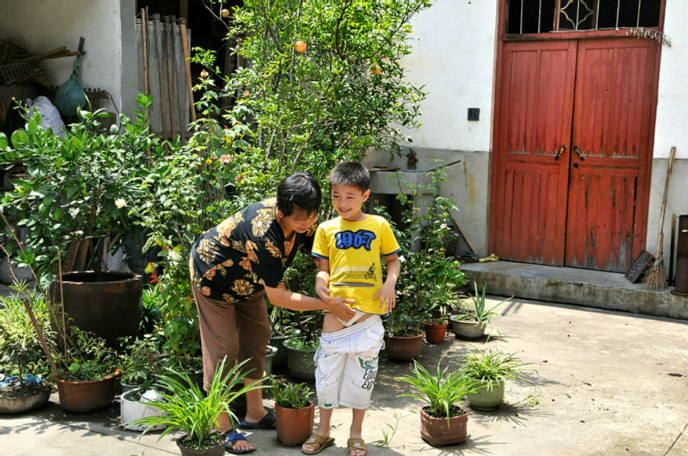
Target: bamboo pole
{"x": 187, "y": 68}
{"x": 170, "y": 74}
{"x": 144, "y": 46}
{"x": 161, "y": 79}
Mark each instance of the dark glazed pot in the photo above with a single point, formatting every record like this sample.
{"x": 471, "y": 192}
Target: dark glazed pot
{"x": 108, "y": 304}
{"x": 218, "y": 450}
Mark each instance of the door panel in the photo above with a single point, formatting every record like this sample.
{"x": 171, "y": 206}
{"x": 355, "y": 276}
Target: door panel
{"x": 612, "y": 124}
{"x": 530, "y": 168}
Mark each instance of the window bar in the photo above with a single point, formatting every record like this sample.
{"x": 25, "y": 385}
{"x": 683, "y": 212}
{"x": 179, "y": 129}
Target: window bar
{"x": 637, "y": 19}
{"x": 539, "y": 16}
{"x": 618, "y": 7}
{"x": 577, "y": 14}
{"x": 520, "y": 29}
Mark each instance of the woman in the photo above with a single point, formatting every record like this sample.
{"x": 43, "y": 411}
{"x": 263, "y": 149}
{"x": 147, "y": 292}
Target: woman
{"x": 234, "y": 266}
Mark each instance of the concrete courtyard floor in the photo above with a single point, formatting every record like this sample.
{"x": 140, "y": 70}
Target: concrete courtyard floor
{"x": 607, "y": 383}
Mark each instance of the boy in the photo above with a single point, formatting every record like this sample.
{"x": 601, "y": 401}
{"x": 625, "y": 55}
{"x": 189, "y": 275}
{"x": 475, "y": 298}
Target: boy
{"x": 349, "y": 250}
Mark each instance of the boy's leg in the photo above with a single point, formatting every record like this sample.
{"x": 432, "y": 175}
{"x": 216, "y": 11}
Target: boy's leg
{"x": 356, "y": 429}
{"x": 330, "y": 362}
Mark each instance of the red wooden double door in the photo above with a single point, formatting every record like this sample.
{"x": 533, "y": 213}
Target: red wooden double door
{"x": 574, "y": 126}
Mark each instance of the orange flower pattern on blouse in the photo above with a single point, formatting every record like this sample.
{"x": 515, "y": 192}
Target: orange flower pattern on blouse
{"x": 244, "y": 253}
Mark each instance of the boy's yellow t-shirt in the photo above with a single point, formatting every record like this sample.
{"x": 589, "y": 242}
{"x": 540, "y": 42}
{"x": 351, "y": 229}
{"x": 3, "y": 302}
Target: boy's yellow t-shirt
{"x": 355, "y": 251}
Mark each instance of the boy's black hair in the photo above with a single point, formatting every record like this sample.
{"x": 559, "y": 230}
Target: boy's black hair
{"x": 350, "y": 173}
{"x": 299, "y": 191}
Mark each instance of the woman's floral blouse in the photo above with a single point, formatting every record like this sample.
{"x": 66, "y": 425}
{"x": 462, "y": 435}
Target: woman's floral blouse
{"x": 235, "y": 259}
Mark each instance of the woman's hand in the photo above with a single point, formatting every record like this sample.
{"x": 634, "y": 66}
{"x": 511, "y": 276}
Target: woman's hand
{"x": 340, "y": 307}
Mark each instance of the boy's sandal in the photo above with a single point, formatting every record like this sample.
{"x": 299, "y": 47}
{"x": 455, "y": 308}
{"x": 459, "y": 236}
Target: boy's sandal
{"x": 318, "y": 442}
{"x": 356, "y": 444}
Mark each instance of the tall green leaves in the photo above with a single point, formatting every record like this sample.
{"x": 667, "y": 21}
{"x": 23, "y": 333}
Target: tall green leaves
{"x": 442, "y": 390}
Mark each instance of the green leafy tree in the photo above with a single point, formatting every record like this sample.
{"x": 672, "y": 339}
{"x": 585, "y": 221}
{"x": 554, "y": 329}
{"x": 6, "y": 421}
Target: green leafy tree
{"x": 322, "y": 80}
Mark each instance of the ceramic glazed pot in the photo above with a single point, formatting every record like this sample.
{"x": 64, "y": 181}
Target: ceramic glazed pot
{"x": 218, "y": 450}
{"x": 294, "y": 426}
{"x": 485, "y": 399}
{"x": 300, "y": 362}
{"x": 270, "y": 354}
{"x": 132, "y": 408}
{"x": 24, "y": 404}
{"x": 108, "y": 305}
{"x": 434, "y": 334}
{"x": 466, "y": 329}
{"x": 81, "y": 397}
{"x": 403, "y": 348}
{"x": 439, "y": 432}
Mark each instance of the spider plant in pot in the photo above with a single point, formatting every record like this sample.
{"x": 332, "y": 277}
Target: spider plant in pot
{"x": 443, "y": 420}
{"x": 185, "y": 407}
{"x": 491, "y": 368}
{"x": 474, "y": 320}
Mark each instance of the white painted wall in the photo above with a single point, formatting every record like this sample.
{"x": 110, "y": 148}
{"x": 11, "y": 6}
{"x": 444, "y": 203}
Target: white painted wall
{"x": 671, "y": 128}
{"x": 454, "y": 58}
{"x": 48, "y": 24}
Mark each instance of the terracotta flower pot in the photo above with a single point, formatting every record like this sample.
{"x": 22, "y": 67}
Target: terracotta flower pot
{"x": 403, "y": 348}
{"x": 440, "y": 432}
{"x": 434, "y": 333}
{"x": 81, "y": 397}
{"x": 294, "y": 426}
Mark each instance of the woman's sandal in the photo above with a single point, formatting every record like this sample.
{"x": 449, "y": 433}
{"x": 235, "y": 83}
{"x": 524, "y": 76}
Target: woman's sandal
{"x": 356, "y": 444}
{"x": 318, "y": 442}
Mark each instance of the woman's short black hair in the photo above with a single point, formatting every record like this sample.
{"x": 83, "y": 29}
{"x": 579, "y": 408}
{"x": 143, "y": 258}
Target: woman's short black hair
{"x": 299, "y": 191}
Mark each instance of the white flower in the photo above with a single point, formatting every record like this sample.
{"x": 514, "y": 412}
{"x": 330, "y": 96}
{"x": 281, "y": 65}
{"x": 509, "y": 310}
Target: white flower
{"x": 120, "y": 203}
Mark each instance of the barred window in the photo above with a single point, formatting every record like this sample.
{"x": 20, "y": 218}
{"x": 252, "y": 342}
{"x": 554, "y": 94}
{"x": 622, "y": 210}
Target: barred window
{"x": 544, "y": 16}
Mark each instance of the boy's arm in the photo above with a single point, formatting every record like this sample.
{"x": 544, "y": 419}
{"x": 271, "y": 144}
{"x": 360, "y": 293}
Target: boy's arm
{"x": 322, "y": 279}
{"x": 386, "y": 293}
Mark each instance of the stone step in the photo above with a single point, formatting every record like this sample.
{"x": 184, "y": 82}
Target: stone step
{"x": 583, "y": 287}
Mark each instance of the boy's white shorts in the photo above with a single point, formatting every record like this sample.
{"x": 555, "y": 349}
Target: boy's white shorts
{"x": 346, "y": 364}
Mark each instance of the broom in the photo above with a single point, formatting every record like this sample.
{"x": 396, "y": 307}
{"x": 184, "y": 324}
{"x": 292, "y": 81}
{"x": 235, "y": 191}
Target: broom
{"x": 655, "y": 279}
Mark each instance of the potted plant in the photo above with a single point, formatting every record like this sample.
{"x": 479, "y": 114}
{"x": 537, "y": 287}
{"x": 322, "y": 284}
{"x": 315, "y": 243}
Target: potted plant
{"x": 87, "y": 373}
{"x": 473, "y": 321}
{"x": 24, "y": 370}
{"x": 425, "y": 268}
{"x": 443, "y": 299}
{"x": 300, "y": 352}
{"x": 184, "y": 406}
{"x": 82, "y": 183}
{"x": 142, "y": 363}
{"x": 491, "y": 369}
{"x": 294, "y": 410}
{"x": 82, "y": 364}
{"x": 443, "y": 420}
